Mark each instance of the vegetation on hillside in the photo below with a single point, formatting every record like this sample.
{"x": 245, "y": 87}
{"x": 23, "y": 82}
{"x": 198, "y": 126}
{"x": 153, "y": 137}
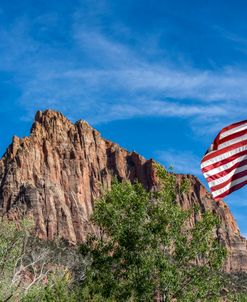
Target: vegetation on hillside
{"x": 146, "y": 248}
{"x": 32, "y": 269}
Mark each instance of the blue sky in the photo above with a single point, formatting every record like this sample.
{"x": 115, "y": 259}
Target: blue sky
{"x": 158, "y": 77}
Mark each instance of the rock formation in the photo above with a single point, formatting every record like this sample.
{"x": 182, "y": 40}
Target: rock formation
{"x": 56, "y": 173}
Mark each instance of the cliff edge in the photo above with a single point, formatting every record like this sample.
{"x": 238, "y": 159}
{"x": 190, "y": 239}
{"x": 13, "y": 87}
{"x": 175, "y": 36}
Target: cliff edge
{"x": 57, "y": 172}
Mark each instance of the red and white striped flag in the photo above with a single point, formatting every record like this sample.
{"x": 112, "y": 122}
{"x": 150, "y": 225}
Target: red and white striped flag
{"x": 225, "y": 164}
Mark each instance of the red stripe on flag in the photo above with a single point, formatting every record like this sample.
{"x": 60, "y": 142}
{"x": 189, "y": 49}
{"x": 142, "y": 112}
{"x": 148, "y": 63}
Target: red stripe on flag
{"x": 232, "y": 136}
{"x": 226, "y": 171}
{"x": 215, "y": 153}
{"x": 223, "y": 161}
{"x": 233, "y": 126}
{"x": 229, "y": 191}
{"x": 234, "y": 177}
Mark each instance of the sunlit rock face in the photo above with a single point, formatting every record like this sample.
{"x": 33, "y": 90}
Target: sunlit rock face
{"x": 57, "y": 172}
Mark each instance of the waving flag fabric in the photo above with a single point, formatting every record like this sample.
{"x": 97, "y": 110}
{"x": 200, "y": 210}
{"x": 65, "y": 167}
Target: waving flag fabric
{"x": 225, "y": 164}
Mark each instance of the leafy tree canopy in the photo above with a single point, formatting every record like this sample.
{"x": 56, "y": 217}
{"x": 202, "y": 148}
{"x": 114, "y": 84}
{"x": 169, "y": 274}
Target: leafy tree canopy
{"x": 147, "y": 248}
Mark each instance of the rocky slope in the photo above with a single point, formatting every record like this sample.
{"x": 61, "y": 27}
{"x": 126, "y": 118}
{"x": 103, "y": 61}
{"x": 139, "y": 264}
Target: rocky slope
{"x": 56, "y": 173}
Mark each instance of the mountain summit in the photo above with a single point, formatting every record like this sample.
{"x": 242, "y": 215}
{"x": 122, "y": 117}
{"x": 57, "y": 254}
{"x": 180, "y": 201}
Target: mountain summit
{"x": 57, "y": 172}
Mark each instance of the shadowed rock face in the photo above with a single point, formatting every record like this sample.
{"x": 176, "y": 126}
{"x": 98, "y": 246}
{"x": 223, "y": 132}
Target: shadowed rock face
{"x": 56, "y": 173}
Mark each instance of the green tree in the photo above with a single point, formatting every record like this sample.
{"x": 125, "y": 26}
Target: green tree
{"x": 146, "y": 248}
{"x": 59, "y": 289}
{"x": 13, "y": 238}
{"x": 36, "y": 270}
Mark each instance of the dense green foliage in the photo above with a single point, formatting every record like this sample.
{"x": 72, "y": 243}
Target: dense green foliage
{"x": 59, "y": 289}
{"x": 12, "y": 246}
{"x": 147, "y": 248}
{"x": 35, "y": 270}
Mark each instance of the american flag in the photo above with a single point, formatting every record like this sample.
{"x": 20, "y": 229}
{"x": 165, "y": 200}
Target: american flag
{"x": 225, "y": 164}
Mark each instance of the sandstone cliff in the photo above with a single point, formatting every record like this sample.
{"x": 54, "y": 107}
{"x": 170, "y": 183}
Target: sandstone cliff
{"x": 56, "y": 173}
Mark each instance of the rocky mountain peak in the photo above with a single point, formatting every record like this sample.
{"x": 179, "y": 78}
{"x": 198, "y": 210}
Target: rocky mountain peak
{"x": 57, "y": 172}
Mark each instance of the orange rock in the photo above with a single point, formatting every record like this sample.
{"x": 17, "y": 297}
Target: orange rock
{"x": 56, "y": 174}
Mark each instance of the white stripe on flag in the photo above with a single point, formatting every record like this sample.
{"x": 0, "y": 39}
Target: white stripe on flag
{"x": 228, "y": 186}
{"x": 233, "y": 130}
{"x": 223, "y": 156}
{"x": 224, "y": 167}
{"x": 232, "y": 141}
{"x": 223, "y": 179}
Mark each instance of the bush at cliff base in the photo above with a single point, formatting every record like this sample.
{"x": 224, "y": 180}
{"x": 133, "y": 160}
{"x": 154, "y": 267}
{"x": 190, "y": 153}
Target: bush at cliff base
{"x": 146, "y": 247}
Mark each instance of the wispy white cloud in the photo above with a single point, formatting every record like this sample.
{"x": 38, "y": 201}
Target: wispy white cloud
{"x": 182, "y": 161}
{"x": 102, "y": 73}
{"x": 239, "y": 41}
{"x": 114, "y": 80}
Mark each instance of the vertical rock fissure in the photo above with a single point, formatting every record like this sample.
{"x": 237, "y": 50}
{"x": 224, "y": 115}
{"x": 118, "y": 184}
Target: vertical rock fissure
{"x": 60, "y": 170}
